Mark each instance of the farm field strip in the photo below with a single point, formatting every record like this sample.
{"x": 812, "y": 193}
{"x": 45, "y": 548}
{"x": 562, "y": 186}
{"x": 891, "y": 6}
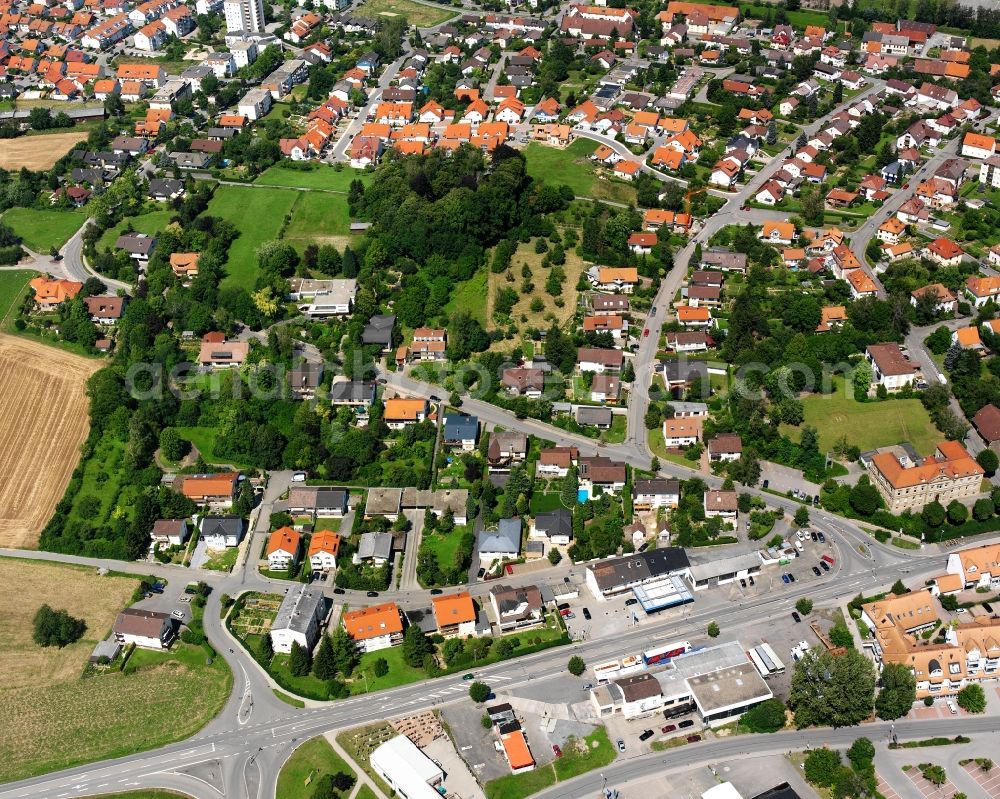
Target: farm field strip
{"x": 39, "y": 440}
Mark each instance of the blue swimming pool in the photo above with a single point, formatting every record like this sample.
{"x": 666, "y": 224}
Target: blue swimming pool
{"x": 582, "y": 496}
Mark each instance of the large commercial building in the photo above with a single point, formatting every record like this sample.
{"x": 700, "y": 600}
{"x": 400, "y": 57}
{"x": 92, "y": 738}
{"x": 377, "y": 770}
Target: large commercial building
{"x": 970, "y": 652}
{"x": 615, "y": 576}
{"x": 407, "y": 770}
{"x": 718, "y": 682}
{"x": 950, "y": 473}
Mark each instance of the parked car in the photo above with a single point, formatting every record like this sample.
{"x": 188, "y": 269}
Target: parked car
{"x": 564, "y": 613}
{"x": 952, "y": 708}
{"x": 765, "y": 484}
{"x": 784, "y": 579}
{"x": 563, "y": 606}
{"x": 188, "y": 599}
{"x": 645, "y": 333}
{"x": 631, "y": 601}
{"x": 668, "y": 728}
{"x": 481, "y": 573}
{"x": 815, "y": 500}
{"x": 987, "y": 607}
{"x": 817, "y": 572}
{"x": 813, "y": 536}
{"x": 570, "y": 615}
{"x": 177, "y": 614}
{"x": 588, "y": 687}
{"x": 829, "y": 559}
{"x": 157, "y": 588}
{"x": 750, "y": 578}
{"x": 621, "y": 745}
{"x": 338, "y": 591}
{"x": 686, "y": 723}
{"x": 823, "y": 565}
{"x": 436, "y": 591}
{"x": 469, "y": 676}
{"x": 556, "y": 750}
{"x": 791, "y": 577}
{"x": 693, "y": 739}
{"x": 645, "y": 735}
{"x": 743, "y": 583}
{"x": 822, "y": 538}
{"x": 372, "y": 593}
{"x": 299, "y": 477}
{"x": 796, "y": 617}
{"x": 586, "y": 614}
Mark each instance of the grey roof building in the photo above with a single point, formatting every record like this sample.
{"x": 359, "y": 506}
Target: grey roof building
{"x": 375, "y": 546}
{"x": 459, "y": 428}
{"x": 379, "y": 330}
{"x": 600, "y": 417}
{"x": 299, "y": 618}
{"x": 557, "y": 522}
{"x": 353, "y": 392}
{"x": 504, "y": 543}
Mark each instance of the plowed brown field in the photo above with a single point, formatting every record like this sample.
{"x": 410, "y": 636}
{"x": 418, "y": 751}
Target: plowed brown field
{"x": 43, "y": 421}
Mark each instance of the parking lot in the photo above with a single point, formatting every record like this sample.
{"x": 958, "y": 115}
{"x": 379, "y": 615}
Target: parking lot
{"x": 629, "y": 730}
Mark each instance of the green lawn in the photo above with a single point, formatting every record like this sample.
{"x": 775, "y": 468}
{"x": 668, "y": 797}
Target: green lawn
{"x": 327, "y": 524}
{"x": 323, "y": 177}
{"x": 573, "y": 168}
{"x": 867, "y": 425}
{"x": 399, "y": 672}
{"x": 259, "y": 214}
{"x": 444, "y": 547}
{"x": 222, "y": 561}
{"x": 542, "y": 503}
{"x": 364, "y": 792}
{"x": 12, "y": 283}
{"x": 470, "y": 297}
{"x": 308, "y": 763}
{"x": 43, "y": 229}
{"x": 574, "y": 762}
{"x": 316, "y": 218}
{"x": 203, "y": 438}
{"x": 288, "y": 700}
{"x": 423, "y": 16}
{"x": 153, "y": 222}
{"x": 616, "y": 435}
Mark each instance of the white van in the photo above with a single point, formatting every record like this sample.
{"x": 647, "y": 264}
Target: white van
{"x": 299, "y": 477}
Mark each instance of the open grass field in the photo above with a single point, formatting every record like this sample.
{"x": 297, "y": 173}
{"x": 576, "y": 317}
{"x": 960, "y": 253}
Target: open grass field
{"x": 323, "y": 177}
{"x": 12, "y": 283}
{"x": 42, "y": 229}
{"x": 318, "y": 218}
{"x": 43, "y": 421}
{"x": 868, "y": 424}
{"x": 468, "y": 297}
{"x": 416, "y": 14}
{"x": 259, "y": 214}
{"x": 38, "y": 152}
{"x": 53, "y": 717}
{"x": 573, "y": 167}
{"x": 153, "y": 222}
{"x": 309, "y": 762}
{"x": 526, "y": 254}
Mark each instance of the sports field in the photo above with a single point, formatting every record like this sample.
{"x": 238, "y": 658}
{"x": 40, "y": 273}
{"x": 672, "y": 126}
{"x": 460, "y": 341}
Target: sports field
{"x": 53, "y": 716}
{"x": 259, "y": 214}
{"x": 867, "y": 425}
{"x": 42, "y": 229}
{"x": 43, "y": 421}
